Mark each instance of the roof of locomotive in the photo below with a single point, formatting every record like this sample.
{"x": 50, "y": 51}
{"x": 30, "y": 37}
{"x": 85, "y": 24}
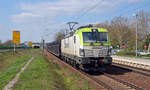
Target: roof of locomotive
{"x": 85, "y": 29}
{"x": 89, "y": 29}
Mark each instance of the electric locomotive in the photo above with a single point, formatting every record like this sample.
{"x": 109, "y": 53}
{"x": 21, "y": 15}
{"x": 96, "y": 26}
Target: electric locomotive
{"x": 87, "y": 48}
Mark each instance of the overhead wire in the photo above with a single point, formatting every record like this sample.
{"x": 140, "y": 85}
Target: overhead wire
{"x": 125, "y": 11}
{"x": 141, "y": 7}
{"x": 83, "y": 14}
{"x": 97, "y": 4}
{"x": 89, "y": 9}
{"x": 57, "y": 29}
{"x": 121, "y": 12}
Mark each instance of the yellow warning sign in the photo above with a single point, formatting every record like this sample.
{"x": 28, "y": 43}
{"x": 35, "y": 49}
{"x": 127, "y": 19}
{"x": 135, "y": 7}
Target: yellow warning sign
{"x": 16, "y": 37}
{"x": 29, "y": 43}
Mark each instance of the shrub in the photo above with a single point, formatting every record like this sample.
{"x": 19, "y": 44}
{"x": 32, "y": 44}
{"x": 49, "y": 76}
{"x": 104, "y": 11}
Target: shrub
{"x": 126, "y": 53}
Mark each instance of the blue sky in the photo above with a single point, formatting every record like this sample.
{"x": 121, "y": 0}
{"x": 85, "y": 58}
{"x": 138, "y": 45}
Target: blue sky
{"x": 43, "y": 18}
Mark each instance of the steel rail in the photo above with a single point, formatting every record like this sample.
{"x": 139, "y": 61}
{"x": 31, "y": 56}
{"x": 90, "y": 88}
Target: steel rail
{"x": 133, "y": 69}
{"x": 125, "y": 82}
{"x": 99, "y": 83}
{"x": 109, "y": 87}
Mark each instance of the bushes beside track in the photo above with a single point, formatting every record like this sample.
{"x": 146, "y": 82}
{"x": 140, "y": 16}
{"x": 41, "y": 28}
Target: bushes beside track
{"x": 133, "y": 54}
{"x": 126, "y": 53}
{"x": 4, "y": 47}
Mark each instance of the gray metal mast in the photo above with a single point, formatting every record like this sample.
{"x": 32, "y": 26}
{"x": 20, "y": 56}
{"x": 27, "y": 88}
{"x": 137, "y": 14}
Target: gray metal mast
{"x": 136, "y": 35}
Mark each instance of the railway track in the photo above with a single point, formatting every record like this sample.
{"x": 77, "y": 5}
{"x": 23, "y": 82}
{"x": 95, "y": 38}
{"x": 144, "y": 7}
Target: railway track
{"x": 113, "y": 83}
{"x": 137, "y": 77}
{"x": 102, "y": 81}
{"x": 132, "y": 69}
{"x": 128, "y": 84}
{"x": 116, "y": 84}
{"x": 85, "y": 76}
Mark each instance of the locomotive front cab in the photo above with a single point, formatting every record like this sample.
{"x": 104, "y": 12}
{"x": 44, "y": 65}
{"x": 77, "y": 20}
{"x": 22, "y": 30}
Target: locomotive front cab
{"x": 95, "y": 47}
{"x": 95, "y": 39}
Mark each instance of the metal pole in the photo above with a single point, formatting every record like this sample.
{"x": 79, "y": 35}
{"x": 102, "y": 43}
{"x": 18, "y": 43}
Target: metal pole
{"x": 43, "y": 46}
{"x": 14, "y": 47}
{"x": 136, "y": 35}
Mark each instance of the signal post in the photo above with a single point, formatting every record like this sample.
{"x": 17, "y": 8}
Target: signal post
{"x": 16, "y": 38}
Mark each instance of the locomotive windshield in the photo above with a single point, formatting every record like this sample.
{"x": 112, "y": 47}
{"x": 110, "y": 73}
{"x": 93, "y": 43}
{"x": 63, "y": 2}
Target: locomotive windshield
{"x": 102, "y": 37}
{"x": 95, "y": 37}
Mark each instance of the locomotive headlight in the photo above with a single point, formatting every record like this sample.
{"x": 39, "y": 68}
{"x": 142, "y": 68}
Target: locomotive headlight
{"x": 82, "y": 53}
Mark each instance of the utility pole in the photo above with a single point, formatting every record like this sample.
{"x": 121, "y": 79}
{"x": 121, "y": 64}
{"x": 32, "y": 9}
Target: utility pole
{"x": 136, "y": 34}
{"x": 71, "y": 25}
{"x": 42, "y": 44}
{"x": 14, "y": 47}
{"x": 148, "y": 48}
{"x": 136, "y": 16}
{"x": 43, "y": 41}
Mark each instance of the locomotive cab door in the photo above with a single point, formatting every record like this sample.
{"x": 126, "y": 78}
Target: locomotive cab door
{"x": 74, "y": 49}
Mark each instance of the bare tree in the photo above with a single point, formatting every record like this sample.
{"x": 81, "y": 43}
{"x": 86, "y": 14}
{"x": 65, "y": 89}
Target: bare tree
{"x": 143, "y": 27}
{"x": 122, "y": 30}
{"x": 0, "y": 43}
{"x": 8, "y": 43}
{"x": 59, "y": 36}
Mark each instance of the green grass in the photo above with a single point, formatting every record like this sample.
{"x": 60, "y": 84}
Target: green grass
{"x": 10, "y": 57}
{"x": 12, "y": 70}
{"x": 40, "y": 74}
{"x": 82, "y": 83}
{"x": 133, "y": 56}
{"x": 11, "y": 63}
{"x": 45, "y": 75}
{"x": 5, "y": 47}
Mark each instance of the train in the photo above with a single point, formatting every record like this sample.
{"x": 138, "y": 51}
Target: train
{"x": 88, "y": 48}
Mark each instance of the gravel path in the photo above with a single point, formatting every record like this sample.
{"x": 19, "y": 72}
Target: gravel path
{"x": 15, "y": 79}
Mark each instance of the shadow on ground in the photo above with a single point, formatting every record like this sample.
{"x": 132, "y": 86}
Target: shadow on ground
{"x": 113, "y": 70}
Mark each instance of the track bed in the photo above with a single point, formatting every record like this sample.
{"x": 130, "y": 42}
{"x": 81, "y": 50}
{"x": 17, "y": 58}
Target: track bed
{"x": 112, "y": 80}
